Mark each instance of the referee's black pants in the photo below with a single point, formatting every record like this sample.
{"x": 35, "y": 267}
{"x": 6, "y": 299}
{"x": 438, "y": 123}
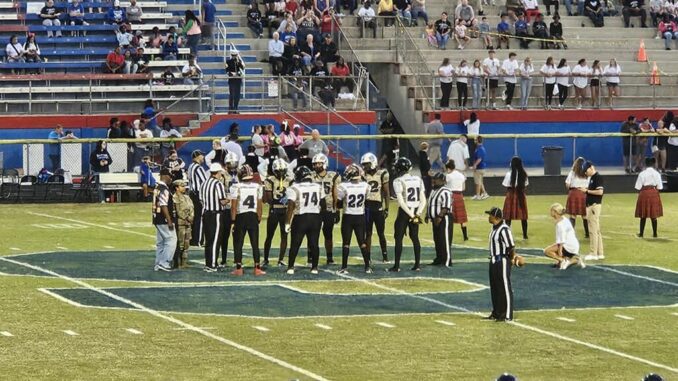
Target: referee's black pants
{"x": 353, "y": 224}
{"x": 402, "y": 223}
{"x": 246, "y": 223}
{"x": 375, "y": 218}
{"x": 442, "y": 237}
{"x": 226, "y": 225}
{"x": 500, "y": 287}
{"x": 305, "y": 225}
{"x": 197, "y": 237}
{"x": 276, "y": 220}
{"x": 213, "y": 234}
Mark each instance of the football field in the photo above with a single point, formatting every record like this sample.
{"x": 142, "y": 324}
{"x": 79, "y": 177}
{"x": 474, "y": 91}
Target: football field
{"x": 80, "y": 301}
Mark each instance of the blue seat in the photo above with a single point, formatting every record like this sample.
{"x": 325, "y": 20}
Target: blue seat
{"x": 71, "y": 28}
{"x": 42, "y": 40}
{"x": 70, "y": 52}
{"x": 53, "y": 65}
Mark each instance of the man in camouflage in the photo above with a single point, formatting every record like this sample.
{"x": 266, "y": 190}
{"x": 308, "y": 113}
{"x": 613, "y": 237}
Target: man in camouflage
{"x": 185, "y": 213}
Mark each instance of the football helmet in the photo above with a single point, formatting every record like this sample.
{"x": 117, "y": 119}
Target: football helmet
{"x": 279, "y": 168}
{"x": 402, "y": 166}
{"x": 320, "y": 163}
{"x": 653, "y": 377}
{"x": 303, "y": 174}
{"x": 507, "y": 377}
{"x": 231, "y": 161}
{"x": 245, "y": 172}
{"x": 369, "y": 162}
{"x": 352, "y": 172}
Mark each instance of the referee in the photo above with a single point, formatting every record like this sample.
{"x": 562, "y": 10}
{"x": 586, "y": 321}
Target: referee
{"x": 196, "y": 176}
{"x": 213, "y": 198}
{"x": 440, "y": 213}
{"x": 501, "y": 249}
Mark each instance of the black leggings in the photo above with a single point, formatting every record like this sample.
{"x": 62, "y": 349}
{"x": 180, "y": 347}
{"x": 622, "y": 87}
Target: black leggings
{"x": 562, "y": 94}
{"x": 246, "y": 223}
{"x": 375, "y": 217}
{"x": 225, "y": 234}
{"x": 462, "y": 93}
{"x": 353, "y": 224}
{"x": 446, "y": 89}
{"x": 305, "y": 225}
{"x": 276, "y": 219}
{"x": 402, "y": 223}
{"x": 549, "y": 92}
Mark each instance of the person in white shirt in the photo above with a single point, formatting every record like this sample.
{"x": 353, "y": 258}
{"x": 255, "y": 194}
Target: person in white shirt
{"x": 230, "y": 144}
{"x": 508, "y": 69}
{"x": 580, "y": 73}
{"x": 258, "y": 141}
{"x": 576, "y": 199}
{"x": 491, "y": 67}
{"x": 354, "y": 195}
{"x": 458, "y": 152}
{"x": 191, "y": 72}
{"x": 649, "y": 203}
{"x": 462, "y": 73}
{"x": 460, "y": 34}
{"x": 366, "y": 15}
{"x": 276, "y": 48}
{"x": 445, "y": 73}
{"x": 611, "y": 73}
{"x": 477, "y": 78}
{"x": 566, "y": 249}
{"x": 456, "y": 182}
{"x": 563, "y": 73}
{"x": 549, "y": 73}
{"x": 141, "y": 149}
{"x": 14, "y": 50}
{"x": 526, "y": 69}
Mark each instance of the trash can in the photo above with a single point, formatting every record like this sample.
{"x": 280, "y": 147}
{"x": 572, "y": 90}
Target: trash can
{"x": 671, "y": 181}
{"x": 553, "y": 156}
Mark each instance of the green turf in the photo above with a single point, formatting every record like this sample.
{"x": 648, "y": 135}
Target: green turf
{"x": 355, "y": 348}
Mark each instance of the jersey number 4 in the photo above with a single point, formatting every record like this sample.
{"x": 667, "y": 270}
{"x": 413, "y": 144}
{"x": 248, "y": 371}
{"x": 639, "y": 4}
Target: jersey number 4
{"x": 312, "y": 197}
{"x": 356, "y": 201}
{"x": 413, "y": 194}
{"x": 249, "y": 202}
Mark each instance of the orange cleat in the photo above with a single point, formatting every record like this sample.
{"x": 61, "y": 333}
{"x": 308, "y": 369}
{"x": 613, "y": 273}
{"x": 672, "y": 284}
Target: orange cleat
{"x": 238, "y": 272}
{"x": 258, "y": 271}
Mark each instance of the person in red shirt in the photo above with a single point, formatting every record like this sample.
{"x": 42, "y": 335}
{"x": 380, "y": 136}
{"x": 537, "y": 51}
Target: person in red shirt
{"x": 115, "y": 62}
{"x": 291, "y": 6}
{"x": 341, "y": 73}
{"x": 327, "y": 24}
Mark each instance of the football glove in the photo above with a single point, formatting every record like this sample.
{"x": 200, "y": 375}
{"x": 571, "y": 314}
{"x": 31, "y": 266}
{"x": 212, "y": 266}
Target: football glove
{"x": 288, "y": 227}
{"x": 336, "y": 217}
{"x": 416, "y": 220}
{"x": 385, "y": 213}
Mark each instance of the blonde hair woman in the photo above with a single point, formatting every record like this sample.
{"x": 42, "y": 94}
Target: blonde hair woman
{"x": 566, "y": 249}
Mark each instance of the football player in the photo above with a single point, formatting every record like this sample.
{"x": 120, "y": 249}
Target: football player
{"x": 353, "y": 193}
{"x": 275, "y": 187}
{"x": 229, "y": 178}
{"x": 329, "y": 180}
{"x": 306, "y": 202}
{"x": 377, "y": 201}
{"x": 411, "y": 196}
{"x": 246, "y": 210}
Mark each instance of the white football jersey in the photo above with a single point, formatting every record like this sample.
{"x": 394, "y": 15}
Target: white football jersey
{"x": 354, "y": 196}
{"x": 247, "y": 196}
{"x": 306, "y": 197}
{"x": 410, "y": 188}
{"x": 330, "y": 181}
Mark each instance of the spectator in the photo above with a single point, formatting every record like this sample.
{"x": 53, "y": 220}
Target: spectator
{"x": 14, "y": 50}
{"x": 478, "y": 165}
{"x": 419, "y": 10}
{"x": 50, "y": 17}
{"x": 216, "y": 155}
{"x": 116, "y": 14}
{"x": 341, "y": 74}
{"x": 192, "y": 31}
{"x": 315, "y": 145}
{"x": 300, "y": 84}
{"x": 168, "y": 131}
{"x": 177, "y": 38}
{"x": 491, "y": 67}
{"x": 175, "y": 165}
{"x": 526, "y": 69}
{"x": 230, "y": 143}
{"x": 633, "y": 8}
{"x": 366, "y": 19}
{"x": 115, "y": 62}
{"x": 320, "y": 71}
{"x": 31, "y": 49}
{"x": 329, "y": 24}
{"x": 472, "y": 125}
{"x": 149, "y": 114}
{"x": 628, "y": 148}
{"x": 484, "y": 28}
{"x": 308, "y": 24}
{"x": 596, "y": 73}
{"x": 328, "y": 49}
{"x": 235, "y": 69}
{"x": 100, "y": 160}
{"x": 209, "y": 12}
{"x": 291, "y": 55}
{"x": 167, "y": 77}
{"x": 611, "y": 74}
{"x": 504, "y": 32}
{"x": 521, "y": 27}
{"x": 435, "y": 127}
{"x": 580, "y": 72}
{"x": 55, "y": 149}
{"x": 509, "y": 68}
{"x": 513, "y": 8}
{"x": 191, "y": 72}
{"x": 321, "y": 6}
{"x": 661, "y": 141}
{"x": 134, "y": 13}
{"x": 288, "y": 21}
{"x": 155, "y": 40}
{"x": 147, "y": 180}
{"x": 476, "y": 74}
{"x": 458, "y": 153}
{"x": 141, "y": 132}
{"x": 531, "y": 8}
{"x": 291, "y": 7}
{"x": 462, "y": 74}
{"x": 443, "y": 29}
{"x": 563, "y": 73}
{"x": 425, "y": 168}
{"x": 288, "y": 139}
{"x": 464, "y": 12}
{"x": 403, "y": 9}
{"x": 139, "y": 63}
{"x": 555, "y": 3}
{"x": 445, "y": 74}
{"x": 287, "y": 35}
{"x": 254, "y": 21}
{"x": 548, "y": 71}
{"x": 642, "y": 141}
{"x": 114, "y": 131}
{"x": 556, "y": 30}
{"x": 124, "y": 37}
{"x": 668, "y": 31}
{"x": 76, "y": 15}
{"x": 387, "y": 10}
{"x": 390, "y": 148}
{"x": 539, "y": 31}
{"x": 257, "y": 140}
{"x": 460, "y": 34}
{"x": 309, "y": 52}
{"x": 655, "y": 11}
{"x": 276, "y": 48}
{"x": 170, "y": 50}
{"x": 594, "y": 11}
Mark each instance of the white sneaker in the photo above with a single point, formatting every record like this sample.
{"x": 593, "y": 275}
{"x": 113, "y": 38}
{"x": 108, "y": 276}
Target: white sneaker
{"x": 494, "y": 106}
{"x": 290, "y": 272}
{"x": 314, "y": 271}
{"x": 342, "y": 271}
{"x": 581, "y": 262}
{"x": 475, "y": 198}
{"x": 564, "y": 264}
{"x": 601, "y": 257}
{"x": 485, "y": 196}
{"x": 508, "y": 107}
{"x": 591, "y": 257}
{"x": 578, "y": 107}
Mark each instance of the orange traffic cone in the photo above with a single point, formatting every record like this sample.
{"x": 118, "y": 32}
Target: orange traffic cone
{"x": 654, "y": 76}
{"x": 642, "y": 56}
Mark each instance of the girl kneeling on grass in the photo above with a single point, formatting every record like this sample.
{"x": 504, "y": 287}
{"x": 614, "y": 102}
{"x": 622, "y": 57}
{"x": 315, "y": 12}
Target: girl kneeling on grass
{"x": 566, "y": 249}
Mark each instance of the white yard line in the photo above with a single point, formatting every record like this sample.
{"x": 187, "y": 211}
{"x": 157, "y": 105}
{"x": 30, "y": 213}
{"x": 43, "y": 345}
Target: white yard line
{"x": 323, "y": 326}
{"x": 260, "y": 328}
{"x": 71, "y": 333}
{"x": 385, "y": 325}
{"x": 6, "y": 334}
{"x": 445, "y": 322}
{"x": 62, "y": 248}
{"x": 566, "y": 319}
{"x": 15, "y": 248}
{"x": 134, "y": 331}
{"x": 184, "y": 329}
{"x": 109, "y": 247}
{"x": 634, "y": 275}
{"x": 93, "y": 224}
{"x": 674, "y": 313}
{"x": 624, "y": 317}
{"x": 174, "y": 320}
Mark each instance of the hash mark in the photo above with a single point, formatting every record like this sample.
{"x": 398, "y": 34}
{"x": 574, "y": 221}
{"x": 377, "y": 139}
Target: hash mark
{"x": 70, "y": 333}
{"x": 6, "y": 334}
{"x": 445, "y": 322}
{"x": 15, "y": 248}
{"x": 566, "y": 319}
{"x": 323, "y": 326}
{"x": 385, "y": 325}
{"x": 134, "y": 331}
{"x": 624, "y": 317}
{"x": 260, "y": 328}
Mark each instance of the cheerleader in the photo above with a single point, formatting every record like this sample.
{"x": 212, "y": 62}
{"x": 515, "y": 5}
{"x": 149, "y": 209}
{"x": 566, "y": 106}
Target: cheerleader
{"x": 515, "y": 203}
{"x": 649, "y": 204}
{"x": 456, "y": 181}
{"x": 576, "y": 199}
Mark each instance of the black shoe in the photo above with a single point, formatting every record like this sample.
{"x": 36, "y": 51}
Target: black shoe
{"x": 265, "y": 263}
{"x": 330, "y": 261}
{"x": 393, "y": 270}
{"x": 502, "y": 320}
{"x": 416, "y": 268}
{"x": 490, "y": 317}
{"x": 586, "y": 236}
{"x": 436, "y": 263}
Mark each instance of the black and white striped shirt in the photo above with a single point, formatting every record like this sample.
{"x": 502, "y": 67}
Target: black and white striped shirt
{"x": 440, "y": 199}
{"x": 211, "y": 193}
{"x": 196, "y": 176}
{"x": 501, "y": 242}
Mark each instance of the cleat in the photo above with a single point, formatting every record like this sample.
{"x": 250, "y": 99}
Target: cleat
{"x": 162, "y": 268}
{"x": 330, "y": 261}
{"x": 581, "y": 263}
{"x": 368, "y": 271}
{"x": 393, "y": 270}
{"x": 281, "y": 264}
{"x": 209, "y": 269}
{"x": 258, "y": 271}
{"x": 265, "y": 263}
{"x": 564, "y": 264}
{"x": 490, "y": 317}
{"x": 342, "y": 271}
{"x": 238, "y": 272}
{"x": 314, "y": 271}
{"x": 416, "y": 268}
{"x": 289, "y": 272}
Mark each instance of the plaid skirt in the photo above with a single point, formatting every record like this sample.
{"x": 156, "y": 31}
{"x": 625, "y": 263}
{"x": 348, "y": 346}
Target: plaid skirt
{"x": 576, "y": 203}
{"x": 515, "y": 205}
{"x": 649, "y": 204}
{"x": 459, "y": 215}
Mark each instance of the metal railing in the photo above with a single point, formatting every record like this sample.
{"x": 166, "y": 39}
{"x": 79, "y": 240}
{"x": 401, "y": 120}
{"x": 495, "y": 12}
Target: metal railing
{"x": 411, "y": 57}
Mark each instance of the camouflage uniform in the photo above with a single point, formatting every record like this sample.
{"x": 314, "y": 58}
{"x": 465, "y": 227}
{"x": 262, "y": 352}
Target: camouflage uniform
{"x": 185, "y": 213}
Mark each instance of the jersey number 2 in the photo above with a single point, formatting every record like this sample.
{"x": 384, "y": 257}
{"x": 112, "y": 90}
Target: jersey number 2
{"x": 356, "y": 201}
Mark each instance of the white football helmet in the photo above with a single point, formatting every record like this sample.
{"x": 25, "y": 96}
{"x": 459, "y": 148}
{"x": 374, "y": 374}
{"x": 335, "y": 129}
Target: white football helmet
{"x": 369, "y": 162}
{"x": 320, "y": 162}
{"x": 232, "y": 161}
{"x": 279, "y": 167}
